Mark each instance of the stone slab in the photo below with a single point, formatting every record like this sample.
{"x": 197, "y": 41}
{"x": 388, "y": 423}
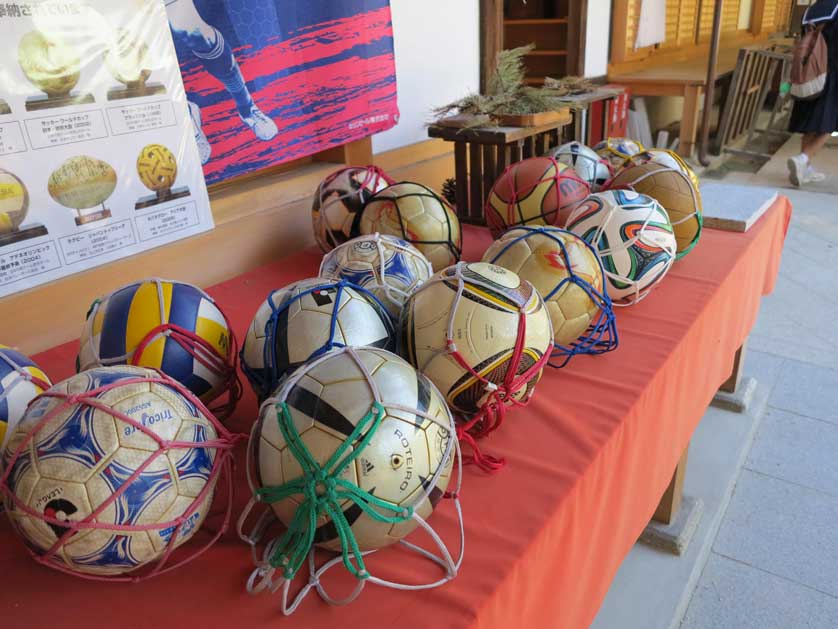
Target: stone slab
{"x": 797, "y": 449}
{"x": 782, "y": 528}
{"x": 732, "y": 594}
{"x": 807, "y": 390}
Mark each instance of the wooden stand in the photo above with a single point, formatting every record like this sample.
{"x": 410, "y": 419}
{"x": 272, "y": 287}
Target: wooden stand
{"x": 482, "y": 154}
{"x": 136, "y": 90}
{"x": 24, "y": 233}
{"x": 162, "y": 196}
{"x": 86, "y": 219}
{"x": 38, "y": 103}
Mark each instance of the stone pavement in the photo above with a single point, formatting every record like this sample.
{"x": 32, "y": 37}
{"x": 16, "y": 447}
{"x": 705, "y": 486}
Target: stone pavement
{"x": 774, "y": 562}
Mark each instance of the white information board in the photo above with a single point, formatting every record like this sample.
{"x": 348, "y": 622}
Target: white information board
{"x": 98, "y": 159}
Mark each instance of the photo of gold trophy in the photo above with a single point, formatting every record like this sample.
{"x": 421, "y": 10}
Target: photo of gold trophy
{"x": 54, "y": 67}
{"x": 129, "y": 61}
{"x": 14, "y": 206}
{"x": 157, "y": 168}
{"x": 82, "y": 183}
{"x": 4, "y": 108}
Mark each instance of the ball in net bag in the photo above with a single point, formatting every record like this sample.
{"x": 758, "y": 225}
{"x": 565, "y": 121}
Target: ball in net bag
{"x": 167, "y": 325}
{"x": 307, "y": 319}
{"x": 482, "y": 335}
{"x": 420, "y": 216}
{"x": 632, "y": 236}
{"x": 389, "y": 267}
{"x": 535, "y": 191}
{"x": 567, "y": 273}
{"x": 352, "y": 453}
{"x": 21, "y": 381}
{"x": 591, "y": 168}
{"x": 110, "y": 471}
{"x": 339, "y": 201}
{"x": 673, "y": 188}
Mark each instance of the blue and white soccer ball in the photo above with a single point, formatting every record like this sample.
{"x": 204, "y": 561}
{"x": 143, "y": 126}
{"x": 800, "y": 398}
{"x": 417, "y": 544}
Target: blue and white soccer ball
{"x": 21, "y": 381}
{"x": 73, "y": 484}
{"x": 389, "y": 267}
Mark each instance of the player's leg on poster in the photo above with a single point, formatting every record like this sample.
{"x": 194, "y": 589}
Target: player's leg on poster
{"x": 208, "y": 44}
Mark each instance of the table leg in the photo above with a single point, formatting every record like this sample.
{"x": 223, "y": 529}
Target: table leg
{"x": 461, "y": 178}
{"x": 671, "y": 499}
{"x": 732, "y": 383}
{"x": 475, "y": 173}
{"x": 689, "y": 124}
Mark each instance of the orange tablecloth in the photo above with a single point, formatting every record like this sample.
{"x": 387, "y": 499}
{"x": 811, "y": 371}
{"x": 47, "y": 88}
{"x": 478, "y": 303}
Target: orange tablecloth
{"x": 587, "y": 463}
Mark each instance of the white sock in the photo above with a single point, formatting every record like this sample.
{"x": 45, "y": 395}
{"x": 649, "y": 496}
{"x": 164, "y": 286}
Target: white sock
{"x": 804, "y": 157}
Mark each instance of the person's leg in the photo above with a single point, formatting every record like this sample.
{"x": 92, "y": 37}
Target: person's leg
{"x": 800, "y": 166}
{"x": 812, "y": 143}
{"x": 208, "y": 44}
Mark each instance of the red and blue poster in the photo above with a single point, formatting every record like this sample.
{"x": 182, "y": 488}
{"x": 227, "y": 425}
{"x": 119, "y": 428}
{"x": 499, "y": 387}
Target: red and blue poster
{"x": 269, "y": 81}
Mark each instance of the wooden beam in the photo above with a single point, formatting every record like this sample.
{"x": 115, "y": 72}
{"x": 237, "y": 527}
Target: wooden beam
{"x": 491, "y": 38}
{"x": 619, "y": 30}
{"x": 357, "y": 153}
{"x": 757, "y": 15}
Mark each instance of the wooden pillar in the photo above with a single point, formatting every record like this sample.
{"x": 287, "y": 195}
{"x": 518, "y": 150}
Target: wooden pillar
{"x": 491, "y": 38}
{"x": 671, "y": 499}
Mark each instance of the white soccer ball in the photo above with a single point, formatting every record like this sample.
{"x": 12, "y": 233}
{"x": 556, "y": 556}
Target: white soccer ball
{"x": 305, "y": 320}
{"x": 389, "y": 267}
{"x": 633, "y": 237}
{"x": 409, "y": 457}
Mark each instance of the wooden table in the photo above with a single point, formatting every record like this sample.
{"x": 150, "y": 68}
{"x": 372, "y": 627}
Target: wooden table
{"x": 481, "y": 154}
{"x": 684, "y": 78}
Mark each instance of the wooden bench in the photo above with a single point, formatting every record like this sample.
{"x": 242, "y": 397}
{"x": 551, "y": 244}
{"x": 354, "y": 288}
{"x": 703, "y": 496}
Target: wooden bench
{"x": 686, "y": 78}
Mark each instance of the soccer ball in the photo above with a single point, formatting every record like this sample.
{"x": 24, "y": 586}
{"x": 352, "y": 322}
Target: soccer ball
{"x": 674, "y": 190}
{"x": 339, "y": 201}
{"x": 407, "y": 461}
{"x": 307, "y": 319}
{"x": 618, "y": 150}
{"x": 665, "y": 176}
{"x": 591, "y": 168}
{"x": 667, "y": 158}
{"x": 388, "y": 267}
{"x": 157, "y": 167}
{"x": 633, "y": 237}
{"x": 417, "y": 214}
{"x": 21, "y": 381}
{"x": 535, "y": 191}
{"x": 482, "y": 324}
{"x": 563, "y": 268}
{"x": 101, "y": 495}
{"x": 14, "y": 202}
{"x": 166, "y": 325}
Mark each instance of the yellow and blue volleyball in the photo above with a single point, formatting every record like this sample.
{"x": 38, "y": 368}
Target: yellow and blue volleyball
{"x": 170, "y": 326}
{"x": 21, "y": 381}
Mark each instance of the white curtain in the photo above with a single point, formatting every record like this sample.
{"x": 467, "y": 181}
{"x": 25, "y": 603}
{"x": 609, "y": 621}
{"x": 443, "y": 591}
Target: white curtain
{"x": 652, "y": 27}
